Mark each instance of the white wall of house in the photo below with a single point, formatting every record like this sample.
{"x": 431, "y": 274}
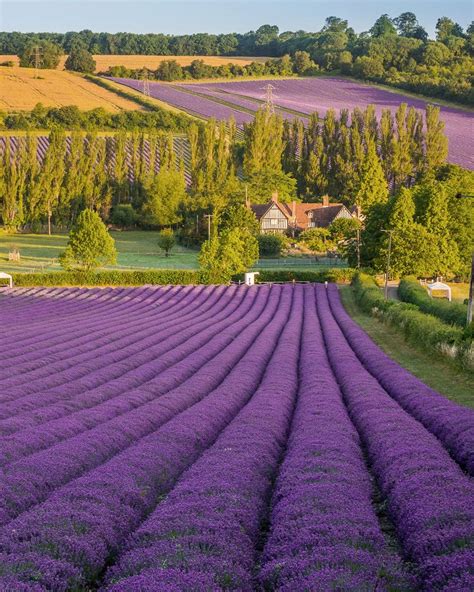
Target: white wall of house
{"x": 274, "y": 221}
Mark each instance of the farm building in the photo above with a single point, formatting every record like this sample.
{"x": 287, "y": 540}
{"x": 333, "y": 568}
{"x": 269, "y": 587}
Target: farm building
{"x": 277, "y": 217}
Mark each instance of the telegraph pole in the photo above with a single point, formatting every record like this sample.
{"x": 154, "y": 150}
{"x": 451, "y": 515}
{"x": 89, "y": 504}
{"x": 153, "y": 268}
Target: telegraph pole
{"x": 208, "y": 216}
{"x": 470, "y": 303}
{"x": 389, "y": 232}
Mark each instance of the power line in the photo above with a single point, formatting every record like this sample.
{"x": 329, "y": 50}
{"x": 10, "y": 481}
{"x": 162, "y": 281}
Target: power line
{"x": 145, "y": 83}
{"x": 36, "y": 52}
{"x": 269, "y": 98}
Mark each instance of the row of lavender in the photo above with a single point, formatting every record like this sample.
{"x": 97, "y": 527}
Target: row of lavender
{"x": 86, "y": 466}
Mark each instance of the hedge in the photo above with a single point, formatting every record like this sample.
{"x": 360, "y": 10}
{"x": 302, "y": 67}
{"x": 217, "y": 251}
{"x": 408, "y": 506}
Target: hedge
{"x": 453, "y": 313}
{"x": 107, "y": 278}
{"x": 168, "y": 276}
{"x": 419, "y": 328}
{"x": 339, "y": 275}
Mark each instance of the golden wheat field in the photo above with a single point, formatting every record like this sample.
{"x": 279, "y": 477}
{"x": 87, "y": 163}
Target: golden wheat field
{"x": 103, "y": 62}
{"x": 20, "y": 90}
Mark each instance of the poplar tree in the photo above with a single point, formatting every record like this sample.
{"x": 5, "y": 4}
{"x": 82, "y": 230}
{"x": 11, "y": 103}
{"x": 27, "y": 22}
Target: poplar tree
{"x": 52, "y": 174}
{"x": 373, "y": 187}
{"x": 436, "y": 142}
{"x": 402, "y": 167}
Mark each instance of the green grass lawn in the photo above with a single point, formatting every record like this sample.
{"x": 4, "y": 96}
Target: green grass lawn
{"x": 436, "y": 372}
{"x": 136, "y": 250}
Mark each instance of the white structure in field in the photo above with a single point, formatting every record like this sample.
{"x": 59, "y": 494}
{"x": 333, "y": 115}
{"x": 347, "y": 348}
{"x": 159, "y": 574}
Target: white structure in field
{"x": 6, "y": 276}
{"x": 439, "y": 287}
{"x": 250, "y": 278}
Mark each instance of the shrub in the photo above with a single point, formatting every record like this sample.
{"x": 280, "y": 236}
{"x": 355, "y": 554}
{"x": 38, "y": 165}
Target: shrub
{"x": 89, "y": 245}
{"x": 270, "y": 245}
{"x": 80, "y": 60}
{"x": 123, "y": 215}
{"x": 166, "y": 240}
{"x": 410, "y": 290}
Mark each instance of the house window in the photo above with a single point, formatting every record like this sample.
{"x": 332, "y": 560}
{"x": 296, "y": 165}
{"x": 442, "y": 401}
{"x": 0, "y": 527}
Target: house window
{"x": 273, "y": 222}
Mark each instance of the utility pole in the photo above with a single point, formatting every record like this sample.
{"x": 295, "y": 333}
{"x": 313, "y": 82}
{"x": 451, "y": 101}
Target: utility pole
{"x": 208, "y": 216}
{"x": 389, "y": 232}
{"x": 358, "y": 248}
{"x": 470, "y": 303}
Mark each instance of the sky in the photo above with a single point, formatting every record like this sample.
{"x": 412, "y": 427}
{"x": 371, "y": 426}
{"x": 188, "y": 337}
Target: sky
{"x": 215, "y": 16}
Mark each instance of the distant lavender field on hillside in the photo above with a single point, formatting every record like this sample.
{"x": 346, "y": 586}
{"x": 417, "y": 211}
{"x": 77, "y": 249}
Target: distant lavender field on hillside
{"x": 304, "y": 96}
{"x": 320, "y": 94}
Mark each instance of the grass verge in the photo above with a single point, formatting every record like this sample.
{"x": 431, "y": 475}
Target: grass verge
{"x": 436, "y": 372}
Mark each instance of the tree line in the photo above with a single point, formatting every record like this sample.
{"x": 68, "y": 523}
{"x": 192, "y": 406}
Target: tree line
{"x": 170, "y": 70}
{"x": 396, "y": 51}
{"x": 392, "y": 170}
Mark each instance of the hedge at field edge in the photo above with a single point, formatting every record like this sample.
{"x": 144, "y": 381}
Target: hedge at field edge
{"x": 411, "y": 291}
{"x": 419, "y": 328}
{"x": 106, "y": 278}
{"x": 166, "y": 276}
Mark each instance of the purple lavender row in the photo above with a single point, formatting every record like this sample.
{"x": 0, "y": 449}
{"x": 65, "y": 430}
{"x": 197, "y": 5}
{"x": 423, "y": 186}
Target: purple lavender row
{"x": 69, "y": 538}
{"x": 35, "y": 334}
{"x": 451, "y": 423}
{"x": 32, "y": 479}
{"x": 83, "y": 309}
{"x": 29, "y": 441}
{"x": 324, "y": 532}
{"x": 210, "y": 522}
{"x": 172, "y": 347}
{"x": 116, "y": 341}
{"x": 429, "y": 497}
{"x": 132, "y": 321}
{"x": 73, "y": 380}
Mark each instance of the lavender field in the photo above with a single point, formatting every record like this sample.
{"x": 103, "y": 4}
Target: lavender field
{"x": 303, "y": 96}
{"x": 148, "y": 434}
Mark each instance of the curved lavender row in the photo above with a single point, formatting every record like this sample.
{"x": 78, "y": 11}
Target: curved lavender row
{"x": 429, "y": 497}
{"x": 87, "y": 319}
{"x": 184, "y": 373}
{"x": 451, "y": 423}
{"x": 29, "y": 481}
{"x": 84, "y": 522}
{"x": 80, "y": 337}
{"x": 72, "y": 382}
{"x": 324, "y": 532}
{"x": 210, "y": 521}
{"x": 114, "y": 344}
{"x": 77, "y": 302}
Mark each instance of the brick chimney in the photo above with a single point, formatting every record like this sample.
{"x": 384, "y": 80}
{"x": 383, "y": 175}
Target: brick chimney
{"x": 325, "y": 201}
{"x": 293, "y": 209}
{"x": 275, "y": 196}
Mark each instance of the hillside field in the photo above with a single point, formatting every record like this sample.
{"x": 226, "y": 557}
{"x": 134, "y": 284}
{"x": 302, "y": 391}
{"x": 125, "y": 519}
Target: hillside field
{"x": 103, "y": 62}
{"x": 21, "y": 91}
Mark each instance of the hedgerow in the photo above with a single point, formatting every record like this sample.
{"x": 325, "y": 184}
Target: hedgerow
{"x": 419, "y": 328}
{"x": 107, "y": 278}
{"x": 410, "y": 291}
